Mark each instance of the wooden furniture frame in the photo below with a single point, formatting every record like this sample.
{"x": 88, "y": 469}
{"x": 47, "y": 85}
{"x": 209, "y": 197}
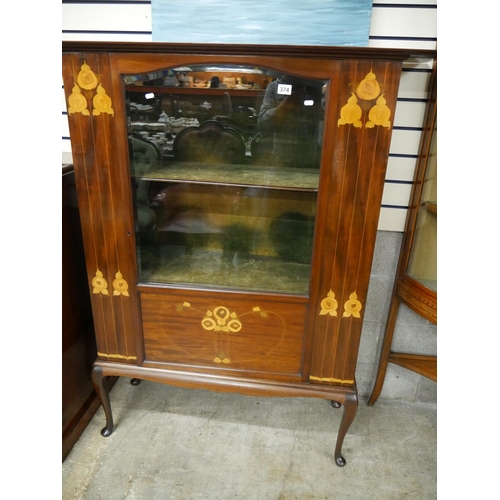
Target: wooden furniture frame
{"x": 407, "y": 289}
{"x": 79, "y": 399}
{"x": 315, "y": 348}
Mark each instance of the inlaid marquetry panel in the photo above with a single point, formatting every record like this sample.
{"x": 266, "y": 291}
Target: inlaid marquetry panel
{"x": 224, "y": 331}
{"x": 362, "y": 102}
{"x": 420, "y": 302}
{"x": 102, "y": 196}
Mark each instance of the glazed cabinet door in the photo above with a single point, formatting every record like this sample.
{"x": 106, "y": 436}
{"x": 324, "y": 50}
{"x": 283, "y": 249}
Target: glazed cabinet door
{"x": 230, "y": 206}
{"x": 225, "y": 160}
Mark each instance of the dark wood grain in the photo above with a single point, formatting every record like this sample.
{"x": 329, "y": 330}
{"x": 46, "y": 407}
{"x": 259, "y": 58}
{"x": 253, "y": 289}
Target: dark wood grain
{"x": 269, "y": 336}
{"x": 316, "y": 52}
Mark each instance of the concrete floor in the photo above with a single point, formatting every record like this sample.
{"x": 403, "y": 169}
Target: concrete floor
{"x": 171, "y": 443}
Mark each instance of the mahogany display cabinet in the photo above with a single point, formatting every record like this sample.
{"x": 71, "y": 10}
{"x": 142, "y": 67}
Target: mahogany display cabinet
{"x": 79, "y": 399}
{"x": 416, "y": 276}
{"x": 229, "y": 200}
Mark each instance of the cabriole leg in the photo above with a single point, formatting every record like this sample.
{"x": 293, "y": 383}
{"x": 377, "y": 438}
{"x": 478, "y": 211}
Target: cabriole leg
{"x": 350, "y": 409}
{"x": 101, "y": 387}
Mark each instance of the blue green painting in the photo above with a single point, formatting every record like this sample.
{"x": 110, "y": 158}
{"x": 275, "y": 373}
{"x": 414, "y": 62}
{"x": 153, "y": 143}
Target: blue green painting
{"x": 278, "y": 22}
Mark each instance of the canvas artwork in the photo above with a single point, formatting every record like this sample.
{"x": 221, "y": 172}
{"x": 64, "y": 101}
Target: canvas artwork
{"x": 278, "y": 22}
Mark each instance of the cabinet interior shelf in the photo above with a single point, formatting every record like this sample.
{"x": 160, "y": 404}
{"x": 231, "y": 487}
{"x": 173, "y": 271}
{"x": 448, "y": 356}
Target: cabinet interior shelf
{"x": 204, "y": 91}
{"x": 430, "y": 207}
{"x": 421, "y": 364}
{"x": 237, "y": 175}
{"x": 207, "y": 268}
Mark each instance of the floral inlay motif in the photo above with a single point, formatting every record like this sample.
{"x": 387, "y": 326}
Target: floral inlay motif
{"x": 77, "y": 102}
{"x": 366, "y": 90}
{"x": 120, "y": 285}
{"x": 222, "y": 331}
{"x": 329, "y": 305}
{"x": 351, "y": 113}
{"x": 259, "y": 310}
{"x": 352, "y": 307}
{"x": 87, "y": 78}
{"x": 221, "y": 320}
{"x": 102, "y": 102}
{"x": 100, "y": 284}
{"x": 379, "y": 114}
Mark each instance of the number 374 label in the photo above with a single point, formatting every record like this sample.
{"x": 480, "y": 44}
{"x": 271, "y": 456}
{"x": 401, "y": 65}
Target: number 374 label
{"x": 284, "y": 89}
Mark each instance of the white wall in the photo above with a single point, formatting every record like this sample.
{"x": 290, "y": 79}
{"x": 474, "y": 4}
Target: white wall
{"x": 394, "y": 24}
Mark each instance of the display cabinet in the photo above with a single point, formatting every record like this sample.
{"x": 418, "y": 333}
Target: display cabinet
{"x": 416, "y": 276}
{"x": 229, "y": 200}
{"x": 79, "y": 399}
{"x": 78, "y": 342}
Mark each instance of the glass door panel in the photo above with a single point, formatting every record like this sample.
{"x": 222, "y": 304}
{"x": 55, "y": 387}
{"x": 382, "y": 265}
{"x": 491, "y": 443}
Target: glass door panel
{"x": 422, "y": 264}
{"x": 225, "y": 167}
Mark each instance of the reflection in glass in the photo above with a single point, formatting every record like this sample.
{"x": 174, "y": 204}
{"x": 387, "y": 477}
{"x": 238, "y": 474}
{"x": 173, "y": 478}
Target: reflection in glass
{"x": 422, "y": 265}
{"x": 225, "y": 166}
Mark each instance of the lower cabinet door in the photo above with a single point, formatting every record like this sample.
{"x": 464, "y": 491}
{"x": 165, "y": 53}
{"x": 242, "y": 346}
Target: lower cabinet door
{"x": 224, "y": 331}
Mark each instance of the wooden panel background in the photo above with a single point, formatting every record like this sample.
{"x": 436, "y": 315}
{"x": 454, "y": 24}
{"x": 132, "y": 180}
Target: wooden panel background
{"x": 356, "y": 177}
{"x": 98, "y": 184}
{"x": 266, "y": 335}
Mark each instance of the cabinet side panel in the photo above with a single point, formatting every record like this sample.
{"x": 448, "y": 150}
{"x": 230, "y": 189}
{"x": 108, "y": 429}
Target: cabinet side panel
{"x": 90, "y": 117}
{"x": 367, "y": 97}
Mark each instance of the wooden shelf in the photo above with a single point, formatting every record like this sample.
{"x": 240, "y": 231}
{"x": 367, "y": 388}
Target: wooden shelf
{"x": 194, "y": 90}
{"x": 205, "y": 268}
{"x": 237, "y": 175}
{"x": 431, "y": 207}
{"x": 423, "y": 365}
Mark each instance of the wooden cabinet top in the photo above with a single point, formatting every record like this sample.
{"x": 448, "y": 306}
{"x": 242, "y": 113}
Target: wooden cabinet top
{"x": 298, "y": 51}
